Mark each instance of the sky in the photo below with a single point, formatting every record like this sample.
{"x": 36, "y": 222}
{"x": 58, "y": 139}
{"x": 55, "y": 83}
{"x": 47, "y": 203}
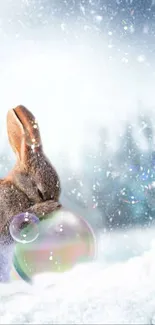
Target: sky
{"x": 75, "y": 64}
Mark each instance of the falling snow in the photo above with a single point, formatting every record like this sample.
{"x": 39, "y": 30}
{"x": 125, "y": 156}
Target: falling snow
{"x": 89, "y": 62}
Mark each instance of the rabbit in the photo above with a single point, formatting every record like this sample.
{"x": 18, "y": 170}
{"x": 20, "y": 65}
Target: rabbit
{"x": 33, "y": 184}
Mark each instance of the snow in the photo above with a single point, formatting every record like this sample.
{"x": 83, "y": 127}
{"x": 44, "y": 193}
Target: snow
{"x": 118, "y": 288}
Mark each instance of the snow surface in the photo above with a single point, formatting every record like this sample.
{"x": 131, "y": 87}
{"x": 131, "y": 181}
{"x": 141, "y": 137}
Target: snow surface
{"x": 118, "y": 288}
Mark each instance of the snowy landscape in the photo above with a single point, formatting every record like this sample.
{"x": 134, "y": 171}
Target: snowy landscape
{"x": 117, "y": 288}
{"x": 86, "y": 69}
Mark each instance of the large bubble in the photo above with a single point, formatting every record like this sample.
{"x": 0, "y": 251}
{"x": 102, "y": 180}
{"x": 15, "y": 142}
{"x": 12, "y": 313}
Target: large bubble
{"x": 64, "y": 240}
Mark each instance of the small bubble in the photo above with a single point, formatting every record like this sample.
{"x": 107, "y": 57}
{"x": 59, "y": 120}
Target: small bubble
{"x": 24, "y": 228}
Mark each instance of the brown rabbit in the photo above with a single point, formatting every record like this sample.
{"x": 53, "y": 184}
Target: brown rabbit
{"x": 33, "y": 185}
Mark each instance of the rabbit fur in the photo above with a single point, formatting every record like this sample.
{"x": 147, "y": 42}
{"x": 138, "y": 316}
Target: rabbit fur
{"x": 33, "y": 184}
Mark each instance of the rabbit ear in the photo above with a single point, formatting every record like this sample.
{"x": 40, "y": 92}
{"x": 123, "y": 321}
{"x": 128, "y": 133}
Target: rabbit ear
{"x": 23, "y": 131}
{"x": 15, "y": 132}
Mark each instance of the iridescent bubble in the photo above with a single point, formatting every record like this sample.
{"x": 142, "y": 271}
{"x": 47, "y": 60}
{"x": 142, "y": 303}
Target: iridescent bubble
{"x": 64, "y": 241}
{"x": 24, "y": 228}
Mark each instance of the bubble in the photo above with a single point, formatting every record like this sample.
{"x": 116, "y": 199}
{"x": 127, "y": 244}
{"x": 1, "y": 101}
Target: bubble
{"x": 24, "y": 228}
{"x": 64, "y": 241}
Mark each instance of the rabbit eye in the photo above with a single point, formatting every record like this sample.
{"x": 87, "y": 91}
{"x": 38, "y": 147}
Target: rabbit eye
{"x": 40, "y": 194}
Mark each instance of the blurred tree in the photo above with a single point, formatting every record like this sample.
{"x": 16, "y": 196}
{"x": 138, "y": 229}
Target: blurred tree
{"x": 120, "y": 186}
